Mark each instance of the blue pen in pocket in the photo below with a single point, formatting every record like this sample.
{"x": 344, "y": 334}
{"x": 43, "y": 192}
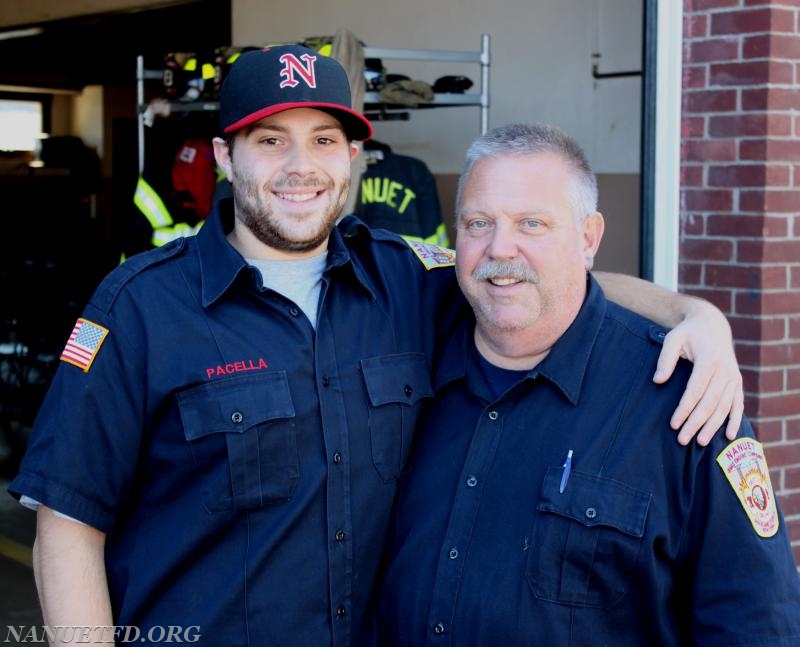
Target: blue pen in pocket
{"x": 565, "y": 474}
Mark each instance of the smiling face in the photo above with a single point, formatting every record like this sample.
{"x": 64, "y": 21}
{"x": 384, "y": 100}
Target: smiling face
{"x": 522, "y": 253}
{"x": 290, "y": 174}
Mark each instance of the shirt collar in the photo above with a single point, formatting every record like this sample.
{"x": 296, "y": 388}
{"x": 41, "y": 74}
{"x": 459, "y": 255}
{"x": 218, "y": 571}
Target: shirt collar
{"x": 565, "y": 365}
{"x": 221, "y": 264}
{"x": 567, "y": 362}
{"x": 351, "y": 233}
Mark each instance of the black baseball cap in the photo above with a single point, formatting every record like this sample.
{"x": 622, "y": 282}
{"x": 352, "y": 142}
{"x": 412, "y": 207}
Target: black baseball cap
{"x": 264, "y": 82}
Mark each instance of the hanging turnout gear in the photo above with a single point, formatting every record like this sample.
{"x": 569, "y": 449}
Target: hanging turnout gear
{"x": 152, "y": 207}
{"x": 194, "y": 176}
{"x": 171, "y": 201}
{"x": 398, "y": 193}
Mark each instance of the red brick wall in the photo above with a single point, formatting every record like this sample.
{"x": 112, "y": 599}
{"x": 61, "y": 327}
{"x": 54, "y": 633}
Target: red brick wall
{"x": 740, "y": 206}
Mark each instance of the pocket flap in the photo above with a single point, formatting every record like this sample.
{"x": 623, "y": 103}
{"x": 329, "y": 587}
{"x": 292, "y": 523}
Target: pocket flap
{"x": 234, "y": 405}
{"x": 403, "y": 378}
{"x": 595, "y": 501}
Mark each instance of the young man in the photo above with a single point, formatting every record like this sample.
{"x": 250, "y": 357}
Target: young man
{"x": 545, "y": 503}
{"x": 233, "y": 410}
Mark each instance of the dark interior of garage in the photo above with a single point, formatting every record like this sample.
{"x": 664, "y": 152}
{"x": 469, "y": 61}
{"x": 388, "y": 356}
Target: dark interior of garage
{"x": 63, "y": 215}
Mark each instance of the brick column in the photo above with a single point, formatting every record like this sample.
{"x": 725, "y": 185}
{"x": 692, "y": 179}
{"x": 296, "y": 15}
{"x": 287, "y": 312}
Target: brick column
{"x": 740, "y": 207}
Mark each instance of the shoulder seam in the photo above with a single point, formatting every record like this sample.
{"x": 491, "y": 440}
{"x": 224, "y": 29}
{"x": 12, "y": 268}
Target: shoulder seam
{"x": 113, "y": 284}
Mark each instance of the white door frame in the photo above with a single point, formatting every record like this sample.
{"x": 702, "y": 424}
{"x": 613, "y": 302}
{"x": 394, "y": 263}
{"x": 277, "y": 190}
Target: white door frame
{"x": 667, "y": 143}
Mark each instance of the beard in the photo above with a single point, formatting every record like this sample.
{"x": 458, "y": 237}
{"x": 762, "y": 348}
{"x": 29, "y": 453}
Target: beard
{"x": 287, "y": 233}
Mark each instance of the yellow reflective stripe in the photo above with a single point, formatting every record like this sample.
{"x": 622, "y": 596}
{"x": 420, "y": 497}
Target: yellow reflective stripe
{"x": 151, "y": 205}
{"x": 207, "y": 70}
{"x": 439, "y": 237}
{"x": 20, "y": 553}
{"x": 163, "y": 235}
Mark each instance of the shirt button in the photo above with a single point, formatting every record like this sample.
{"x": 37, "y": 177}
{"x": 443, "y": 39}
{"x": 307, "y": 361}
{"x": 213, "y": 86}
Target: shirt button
{"x": 408, "y": 390}
{"x": 294, "y": 311}
{"x": 493, "y": 415}
{"x": 237, "y": 417}
{"x": 453, "y": 553}
{"x": 471, "y": 481}
{"x": 340, "y": 611}
{"x": 337, "y": 457}
{"x": 590, "y": 513}
{"x": 438, "y": 628}
{"x": 326, "y": 381}
{"x": 339, "y": 535}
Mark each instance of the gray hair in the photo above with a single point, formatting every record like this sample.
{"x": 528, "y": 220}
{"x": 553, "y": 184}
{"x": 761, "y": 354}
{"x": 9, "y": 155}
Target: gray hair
{"x": 532, "y": 139}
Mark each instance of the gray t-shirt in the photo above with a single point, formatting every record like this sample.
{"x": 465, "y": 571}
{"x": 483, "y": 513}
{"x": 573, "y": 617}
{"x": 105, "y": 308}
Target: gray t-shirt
{"x": 298, "y": 280}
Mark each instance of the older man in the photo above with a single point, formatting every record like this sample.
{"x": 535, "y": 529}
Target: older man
{"x": 547, "y": 502}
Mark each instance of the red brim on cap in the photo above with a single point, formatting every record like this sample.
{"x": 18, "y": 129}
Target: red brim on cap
{"x": 356, "y": 126}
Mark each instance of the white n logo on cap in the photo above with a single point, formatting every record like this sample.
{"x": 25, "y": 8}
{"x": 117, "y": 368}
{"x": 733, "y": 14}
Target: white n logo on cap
{"x": 292, "y": 66}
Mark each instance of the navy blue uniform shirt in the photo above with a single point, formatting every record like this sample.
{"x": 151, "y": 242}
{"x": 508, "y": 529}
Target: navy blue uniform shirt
{"x": 648, "y": 544}
{"x": 242, "y": 464}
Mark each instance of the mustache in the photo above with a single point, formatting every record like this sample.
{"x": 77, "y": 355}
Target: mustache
{"x": 295, "y": 182}
{"x": 505, "y": 269}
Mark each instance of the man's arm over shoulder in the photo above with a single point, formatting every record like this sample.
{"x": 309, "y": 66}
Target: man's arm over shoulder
{"x": 69, "y": 569}
{"x": 700, "y": 333}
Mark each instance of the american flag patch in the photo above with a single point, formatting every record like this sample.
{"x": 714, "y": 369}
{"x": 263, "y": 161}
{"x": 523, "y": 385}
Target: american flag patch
{"x": 83, "y": 344}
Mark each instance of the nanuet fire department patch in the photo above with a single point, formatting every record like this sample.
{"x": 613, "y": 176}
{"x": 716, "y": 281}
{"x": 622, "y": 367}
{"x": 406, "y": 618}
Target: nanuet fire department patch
{"x": 433, "y": 255}
{"x": 745, "y": 465}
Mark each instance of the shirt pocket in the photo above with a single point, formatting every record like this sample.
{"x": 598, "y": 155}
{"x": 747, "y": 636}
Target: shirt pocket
{"x": 396, "y": 385}
{"x": 586, "y": 540}
{"x": 242, "y": 436}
